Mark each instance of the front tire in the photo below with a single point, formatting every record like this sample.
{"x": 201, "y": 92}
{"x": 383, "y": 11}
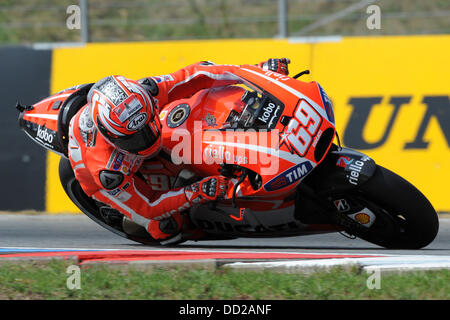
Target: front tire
{"x": 409, "y": 222}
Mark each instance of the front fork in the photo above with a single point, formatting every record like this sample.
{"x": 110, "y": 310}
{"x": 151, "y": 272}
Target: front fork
{"x": 325, "y": 196}
{"x": 342, "y": 170}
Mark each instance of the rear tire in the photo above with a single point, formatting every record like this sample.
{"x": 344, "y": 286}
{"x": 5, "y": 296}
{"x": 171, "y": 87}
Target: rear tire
{"x": 414, "y": 221}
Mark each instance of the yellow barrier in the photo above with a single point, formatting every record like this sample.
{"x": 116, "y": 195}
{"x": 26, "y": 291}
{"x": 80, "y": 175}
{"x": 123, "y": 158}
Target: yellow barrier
{"x": 391, "y": 94}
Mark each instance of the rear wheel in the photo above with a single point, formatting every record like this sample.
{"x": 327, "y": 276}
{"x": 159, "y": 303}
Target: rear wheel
{"x": 405, "y": 219}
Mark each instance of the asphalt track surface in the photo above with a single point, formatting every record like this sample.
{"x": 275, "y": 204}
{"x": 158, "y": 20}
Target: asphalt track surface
{"x": 79, "y": 232}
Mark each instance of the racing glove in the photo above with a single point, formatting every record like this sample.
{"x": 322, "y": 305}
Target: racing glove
{"x": 276, "y": 65}
{"x": 209, "y": 189}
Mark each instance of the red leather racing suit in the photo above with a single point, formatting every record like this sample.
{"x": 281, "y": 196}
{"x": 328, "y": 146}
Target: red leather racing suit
{"x": 110, "y": 176}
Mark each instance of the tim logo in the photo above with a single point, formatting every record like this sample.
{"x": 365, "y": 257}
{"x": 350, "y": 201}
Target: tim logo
{"x": 289, "y": 176}
{"x": 343, "y": 161}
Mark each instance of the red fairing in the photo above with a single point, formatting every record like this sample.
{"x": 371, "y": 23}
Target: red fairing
{"x": 189, "y": 80}
{"x": 40, "y": 121}
{"x": 282, "y": 156}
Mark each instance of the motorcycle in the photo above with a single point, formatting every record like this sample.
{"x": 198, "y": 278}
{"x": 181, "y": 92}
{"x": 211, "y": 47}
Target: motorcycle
{"x": 273, "y": 136}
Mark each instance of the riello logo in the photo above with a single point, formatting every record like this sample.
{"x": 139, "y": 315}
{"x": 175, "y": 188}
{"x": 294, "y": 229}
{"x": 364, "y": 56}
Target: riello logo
{"x": 437, "y": 107}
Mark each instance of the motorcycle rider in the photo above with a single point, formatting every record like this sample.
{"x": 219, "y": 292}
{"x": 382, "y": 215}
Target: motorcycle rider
{"x": 119, "y": 128}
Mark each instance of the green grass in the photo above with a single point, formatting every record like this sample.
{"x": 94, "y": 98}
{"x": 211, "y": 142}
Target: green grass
{"x": 48, "y": 281}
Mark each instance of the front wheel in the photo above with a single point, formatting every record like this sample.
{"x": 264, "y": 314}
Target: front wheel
{"x": 405, "y": 217}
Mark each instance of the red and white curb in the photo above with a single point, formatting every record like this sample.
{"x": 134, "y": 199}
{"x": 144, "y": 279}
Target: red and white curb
{"x": 119, "y": 255}
{"x": 255, "y": 260}
{"x": 369, "y": 264}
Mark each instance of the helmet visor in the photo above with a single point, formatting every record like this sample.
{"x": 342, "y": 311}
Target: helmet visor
{"x": 133, "y": 143}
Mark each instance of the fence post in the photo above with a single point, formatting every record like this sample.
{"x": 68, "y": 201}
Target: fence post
{"x": 282, "y": 19}
{"x": 84, "y": 21}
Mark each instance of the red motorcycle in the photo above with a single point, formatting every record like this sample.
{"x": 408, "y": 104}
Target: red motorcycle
{"x": 272, "y": 135}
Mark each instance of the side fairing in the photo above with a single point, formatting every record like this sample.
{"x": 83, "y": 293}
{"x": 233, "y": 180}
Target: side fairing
{"x": 40, "y": 122}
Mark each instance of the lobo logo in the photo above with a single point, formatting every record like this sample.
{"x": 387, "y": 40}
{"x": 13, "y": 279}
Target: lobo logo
{"x": 270, "y": 114}
{"x": 267, "y": 112}
{"x": 43, "y": 134}
{"x": 302, "y": 128}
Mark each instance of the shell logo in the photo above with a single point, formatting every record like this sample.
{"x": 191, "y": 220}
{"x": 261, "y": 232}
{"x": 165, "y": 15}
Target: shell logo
{"x": 362, "y": 218}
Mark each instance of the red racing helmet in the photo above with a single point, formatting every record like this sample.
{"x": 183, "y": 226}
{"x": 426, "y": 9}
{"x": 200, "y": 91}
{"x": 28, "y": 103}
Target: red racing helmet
{"x": 126, "y": 115}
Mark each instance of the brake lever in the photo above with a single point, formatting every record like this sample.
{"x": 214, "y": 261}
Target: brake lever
{"x": 228, "y": 170}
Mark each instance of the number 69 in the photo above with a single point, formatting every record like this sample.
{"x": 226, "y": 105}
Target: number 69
{"x": 303, "y": 127}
